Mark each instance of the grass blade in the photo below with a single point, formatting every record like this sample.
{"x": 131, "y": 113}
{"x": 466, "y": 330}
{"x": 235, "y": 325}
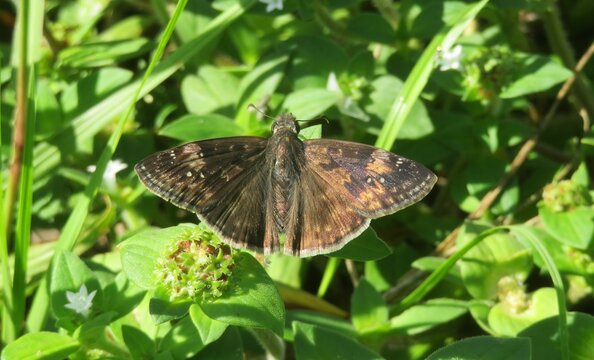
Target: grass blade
{"x": 419, "y": 76}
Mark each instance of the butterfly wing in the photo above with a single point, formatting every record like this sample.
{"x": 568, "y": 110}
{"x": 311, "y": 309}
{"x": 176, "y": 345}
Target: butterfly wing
{"x": 342, "y": 186}
{"x": 374, "y": 181}
{"x": 223, "y": 181}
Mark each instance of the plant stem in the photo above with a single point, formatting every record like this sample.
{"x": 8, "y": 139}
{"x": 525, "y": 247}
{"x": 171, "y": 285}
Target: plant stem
{"x": 558, "y": 41}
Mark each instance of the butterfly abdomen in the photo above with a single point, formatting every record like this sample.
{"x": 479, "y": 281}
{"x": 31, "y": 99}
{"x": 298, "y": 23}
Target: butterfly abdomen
{"x": 289, "y": 156}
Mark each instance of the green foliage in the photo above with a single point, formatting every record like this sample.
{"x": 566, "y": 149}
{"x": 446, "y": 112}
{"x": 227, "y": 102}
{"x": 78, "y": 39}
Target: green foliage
{"x": 499, "y": 256}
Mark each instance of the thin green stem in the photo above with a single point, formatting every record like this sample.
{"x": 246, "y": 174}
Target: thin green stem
{"x": 526, "y": 234}
{"x": 329, "y": 272}
{"x": 436, "y": 276}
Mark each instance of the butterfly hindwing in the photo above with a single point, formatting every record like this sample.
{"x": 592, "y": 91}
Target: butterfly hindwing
{"x": 373, "y": 181}
{"x": 223, "y": 181}
{"x": 320, "y": 219}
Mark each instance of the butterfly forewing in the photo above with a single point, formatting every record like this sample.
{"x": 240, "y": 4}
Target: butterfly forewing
{"x": 223, "y": 181}
{"x": 375, "y": 182}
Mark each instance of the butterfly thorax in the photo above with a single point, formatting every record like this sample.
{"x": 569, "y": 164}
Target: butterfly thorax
{"x": 288, "y": 155}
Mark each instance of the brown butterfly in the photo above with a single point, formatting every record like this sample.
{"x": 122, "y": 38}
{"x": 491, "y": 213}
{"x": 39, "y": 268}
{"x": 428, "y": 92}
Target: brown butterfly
{"x": 319, "y": 193}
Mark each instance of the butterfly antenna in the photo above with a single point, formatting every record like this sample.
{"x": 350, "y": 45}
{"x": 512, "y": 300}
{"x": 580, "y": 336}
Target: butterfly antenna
{"x": 253, "y": 107}
{"x": 316, "y": 120}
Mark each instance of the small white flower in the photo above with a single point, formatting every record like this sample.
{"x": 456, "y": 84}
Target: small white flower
{"x": 332, "y": 83}
{"x": 80, "y": 301}
{"x": 109, "y": 176}
{"x": 450, "y": 59}
{"x": 273, "y": 5}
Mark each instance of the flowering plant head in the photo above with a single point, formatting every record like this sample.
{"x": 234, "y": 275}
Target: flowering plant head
{"x": 195, "y": 267}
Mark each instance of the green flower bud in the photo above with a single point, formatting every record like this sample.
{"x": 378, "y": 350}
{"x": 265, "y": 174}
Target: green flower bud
{"x": 196, "y": 267}
{"x": 565, "y": 195}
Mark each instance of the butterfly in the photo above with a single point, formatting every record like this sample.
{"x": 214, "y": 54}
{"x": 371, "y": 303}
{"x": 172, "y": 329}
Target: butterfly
{"x": 319, "y": 193}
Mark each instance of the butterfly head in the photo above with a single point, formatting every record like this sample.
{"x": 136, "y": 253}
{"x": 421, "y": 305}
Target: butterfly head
{"x": 285, "y": 122}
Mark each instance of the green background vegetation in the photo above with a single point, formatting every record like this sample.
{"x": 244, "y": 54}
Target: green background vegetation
{"x": 494, "y": 96}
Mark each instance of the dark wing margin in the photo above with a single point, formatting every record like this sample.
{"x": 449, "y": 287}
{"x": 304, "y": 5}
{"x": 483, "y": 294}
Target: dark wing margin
{"x": 372, "y": 181}
{"x": 223, "y": 181}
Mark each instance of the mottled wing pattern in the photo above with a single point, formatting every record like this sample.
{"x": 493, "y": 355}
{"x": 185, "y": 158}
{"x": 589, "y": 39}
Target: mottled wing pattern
{"x": 321, "y": 219}
{"x": 371, "y": 181}
{"x": 223, "y": 181}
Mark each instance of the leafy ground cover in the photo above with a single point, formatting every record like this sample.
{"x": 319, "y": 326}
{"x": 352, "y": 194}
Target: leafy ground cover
{"x": 494, "y": 96}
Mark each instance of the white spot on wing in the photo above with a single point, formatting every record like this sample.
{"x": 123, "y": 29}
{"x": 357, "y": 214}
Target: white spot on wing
{"x": 189, "y": 174}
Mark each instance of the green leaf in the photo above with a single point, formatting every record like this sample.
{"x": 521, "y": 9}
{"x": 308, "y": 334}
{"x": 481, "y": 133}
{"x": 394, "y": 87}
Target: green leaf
{"x": 314, "y": 58}
{"x": 486, "y": 348}
{"x": 318, "y": 319}
{"x": 372, "y": 27}
{"x": 312, "y": 343}
{"x": 508, "y": 322}
{"x": 368, "y": 308}
{"x": 537, "y": 73}
{"x": 251, "y": 300}
{"x": 41, "y": 345}
{"x": 162, "y": 310}
{"x": 365, "y": 247}
{"x": 211, "y": 90}
{"x": 310, "y": 102}
{"x": 228, "y": 347}
{"x": 259, "y": 84}
{"x": 285, "y": 269}
{"x": 208, "y": 329}
{"x": 140, "y": 252}
{"x": 545, "y": 335}
{"x": 425, "y": 316}
{"x": 69, "y": 273}
{"x": 497, "y": 256}
{"x": 385, "y": 89}
{"x": 197, "y": 127}
{"x": 102, "y": 53}
{"x": 183, "y": 340}
{"x": 574, "y": 227}
{"x": 138, "y": 343}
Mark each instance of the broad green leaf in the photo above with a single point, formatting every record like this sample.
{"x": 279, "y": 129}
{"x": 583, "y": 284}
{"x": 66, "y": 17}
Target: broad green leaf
{"x": 138, "y": 343}
{"x": 545, "y": 334}
{"x": 574, "y": 227}
{"x": 536, "y": 73}
{"x": 383, "y": 273}
{"x": 313, "y": 342}
{"x": 365, "y": 247}
{"x": 140, "y": 252}
{"x": 198, "y": 127}
{"x": 251, "y": 300}
{"x": 228, "y": 347}
{"x": 480, "y": 174}
{"x": 311, "y": 132}
{"x": 314, "y": 58}
{"x": 183, "y": 340}
{"x": 368, "y": 308}
{"x": 423, "y": 317}
{"x": 497, "y": 256}
{"x": 41, "y": 345}
{"x": 210, "y": 90}
{"x": 486, "y": 348}
{"x": 506, "y": 320}
{"x": 163, "y": 310}
{"x": 386, "y": 88}
{"x": 208, "y": 329}
{"x": 308, "y": 103}
{"x": 69, "y": 273}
